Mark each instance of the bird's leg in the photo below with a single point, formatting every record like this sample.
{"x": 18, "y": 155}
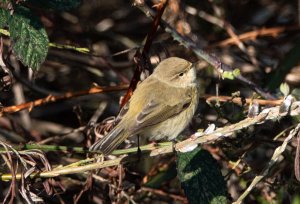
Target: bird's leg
{"x": 173, "y": 145}
{"x": 139, "y": 152}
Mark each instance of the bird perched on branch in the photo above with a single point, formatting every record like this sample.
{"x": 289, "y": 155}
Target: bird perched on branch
{"x": 160, "y": 107}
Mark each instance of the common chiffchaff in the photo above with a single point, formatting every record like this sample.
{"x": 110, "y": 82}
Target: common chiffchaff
{"x": 160, "y": 107}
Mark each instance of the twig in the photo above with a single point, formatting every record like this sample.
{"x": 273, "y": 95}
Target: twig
{"x": 252, "y": 35}
{"x": 240, "y": 101}
{"x": 213, "y": 60}
{"x": 71, "y": 170}
{"x": 227, "y": 131}
{"x": 152, "y": 150}
{"x": 277, "y": 153}
{"x": 222, "y": 23}
{"x": 23, "y": 148}
{"x": 98, "y": 113}
{"x": 61, "y": 136}
{"x": 150, "y": 37}
{"x": 68, "y": 95}
{"x": 162, "y": 193}
{"x": 46, "y": 148}
{"x": 97, "y": 89}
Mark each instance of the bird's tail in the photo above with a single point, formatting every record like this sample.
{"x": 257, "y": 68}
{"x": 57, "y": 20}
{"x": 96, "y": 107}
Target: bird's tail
{"x": 110, "y": 141}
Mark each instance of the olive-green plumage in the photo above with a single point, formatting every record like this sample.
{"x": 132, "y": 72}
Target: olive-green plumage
{"x": 160, "y": 107}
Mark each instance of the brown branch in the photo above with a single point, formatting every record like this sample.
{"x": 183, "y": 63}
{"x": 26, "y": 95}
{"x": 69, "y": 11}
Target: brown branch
{"x": 160, "y": 7}
{"x": 166, "y": 194}
{"x": 68, "y": 95}
{"x": 140, "y": 58}
{"x": 222, "y": 23}
{"x": 97, "y": 89}
{"x": 252, "y": 35}
{"x": 240, "y": 101}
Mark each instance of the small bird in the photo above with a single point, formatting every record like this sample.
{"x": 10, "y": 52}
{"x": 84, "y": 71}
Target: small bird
{"x": 159, "y": 109}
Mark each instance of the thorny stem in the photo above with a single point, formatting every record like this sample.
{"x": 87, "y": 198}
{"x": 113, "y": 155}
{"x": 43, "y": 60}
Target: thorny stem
{"x": 142, "y": 57}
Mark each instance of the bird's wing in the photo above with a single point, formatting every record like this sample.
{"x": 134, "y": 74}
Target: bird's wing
{"x": 157, "y": 111}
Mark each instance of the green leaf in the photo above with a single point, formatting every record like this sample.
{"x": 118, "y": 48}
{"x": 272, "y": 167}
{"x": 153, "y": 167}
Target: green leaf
{"x": 59, "y": 5}
{"x": 231, "y": 74}
{"x": 30, "y": 40}
{"x": 236, "y": 72}
{"x": 284, "y": 89}
{"x": 4, "y": 17}
{"x": 201, "y": 178}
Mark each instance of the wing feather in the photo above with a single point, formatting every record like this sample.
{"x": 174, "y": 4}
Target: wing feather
{"x": 157, "y": 112}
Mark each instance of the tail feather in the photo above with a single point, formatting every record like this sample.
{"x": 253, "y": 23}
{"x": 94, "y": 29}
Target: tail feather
{"x": 110, "y": 141}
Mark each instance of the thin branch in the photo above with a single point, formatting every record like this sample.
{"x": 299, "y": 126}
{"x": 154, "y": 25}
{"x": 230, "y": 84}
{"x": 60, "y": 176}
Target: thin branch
{"x": 222, "y": 23}
{"x": 141, "y": 57}
{"x": 253, "y": 35}
{"x": 212, "y": 60}
{"x": 276, "y": 155}
{"x": 59, "y": 148}
{"x": 153, "y": 150}
{"x": 98, "y": 89}
{"x": 166, "y": 194}
{"x": 227, "y": 131}
{"x": 68, "y": 95}
{"x": 240, "y": 101}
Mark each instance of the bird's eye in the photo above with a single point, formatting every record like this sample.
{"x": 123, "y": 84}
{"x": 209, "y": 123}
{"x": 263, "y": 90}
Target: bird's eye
{"x": 180, "y": 74}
